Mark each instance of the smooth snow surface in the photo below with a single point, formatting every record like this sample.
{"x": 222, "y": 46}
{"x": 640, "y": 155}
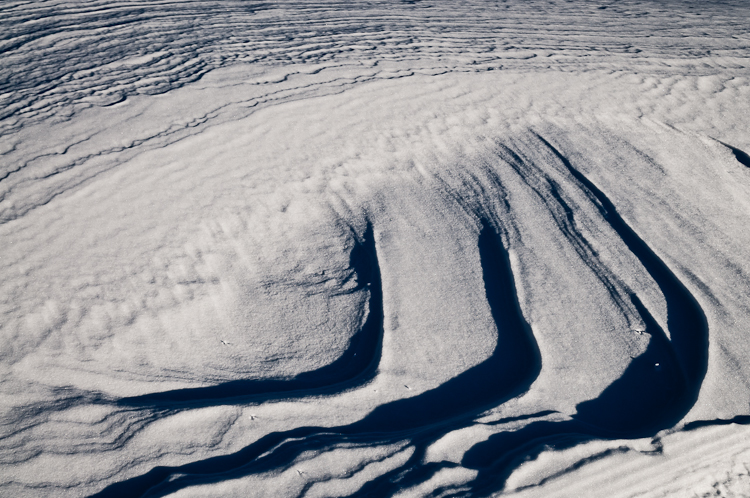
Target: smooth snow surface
{"x": 386, "y": 248}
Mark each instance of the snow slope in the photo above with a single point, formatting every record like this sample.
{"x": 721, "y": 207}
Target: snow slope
{"x": 385, "y": 249}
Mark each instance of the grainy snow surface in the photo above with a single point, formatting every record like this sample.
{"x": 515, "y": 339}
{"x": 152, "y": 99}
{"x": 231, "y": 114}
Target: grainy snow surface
{"x": 388, "y": 248}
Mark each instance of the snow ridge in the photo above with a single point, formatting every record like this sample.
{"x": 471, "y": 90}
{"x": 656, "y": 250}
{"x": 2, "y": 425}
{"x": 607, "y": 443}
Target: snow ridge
{"x": 394, "y": 248}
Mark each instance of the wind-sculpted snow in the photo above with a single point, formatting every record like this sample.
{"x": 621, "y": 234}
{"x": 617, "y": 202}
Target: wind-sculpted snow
{"x": 79, "y": 53}
{"x": 654, "y": 392}
{"x": 346, "y": 370}
{"x": 420, "y": 419}
{"x": 374, "y": 249}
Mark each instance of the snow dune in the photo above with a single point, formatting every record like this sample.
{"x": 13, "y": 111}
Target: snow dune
{"x": 393, "y": 249}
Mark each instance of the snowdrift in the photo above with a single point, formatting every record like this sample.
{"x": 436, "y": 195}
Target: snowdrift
{"x": 394, "y": 249}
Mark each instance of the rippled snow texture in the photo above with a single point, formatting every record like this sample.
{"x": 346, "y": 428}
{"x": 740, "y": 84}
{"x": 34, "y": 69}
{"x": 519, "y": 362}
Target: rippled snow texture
{"x": 415, "y": 248}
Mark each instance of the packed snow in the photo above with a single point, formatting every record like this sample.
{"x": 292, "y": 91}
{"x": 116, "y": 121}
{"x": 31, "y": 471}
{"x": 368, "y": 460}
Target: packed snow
{"x": 395, "y": 248}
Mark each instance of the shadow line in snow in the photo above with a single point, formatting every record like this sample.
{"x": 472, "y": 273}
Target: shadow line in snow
{"x": 422, "y": 419}
{"x": 509, "y": 371}
{"x": 698, "y": 424}
{"x": 355, "y": 366}
{"x": 656, "y": 390}
{"x": 741, "y": 156}
{"x": 686, "y": 321}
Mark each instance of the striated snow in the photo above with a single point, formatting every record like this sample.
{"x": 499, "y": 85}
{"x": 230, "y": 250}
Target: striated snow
{"x": 374, "y": 249}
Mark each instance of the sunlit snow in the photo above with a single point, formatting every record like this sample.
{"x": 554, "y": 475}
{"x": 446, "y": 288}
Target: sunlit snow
{"x": 389, "y": 248}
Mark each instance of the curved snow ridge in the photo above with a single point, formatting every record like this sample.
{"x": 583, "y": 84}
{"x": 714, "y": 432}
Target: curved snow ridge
{"x": 99, "y": 53}
{"x": 528, "y": 161}
{"x": 653, "y": 393}
{"x": 357, "y": 365}
{"x": 656, "y": 390}
{"x": 421, "y": 420}
{"x": 686, "y": 320}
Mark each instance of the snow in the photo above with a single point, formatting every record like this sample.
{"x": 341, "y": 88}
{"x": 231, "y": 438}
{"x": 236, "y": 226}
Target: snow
{"x": 393, "y": 249}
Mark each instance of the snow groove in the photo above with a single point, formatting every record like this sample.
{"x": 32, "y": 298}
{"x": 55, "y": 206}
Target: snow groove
{"x": 742, "y": 157}
{"x": 421, "y": 420}
{"x": 654, "y": 393}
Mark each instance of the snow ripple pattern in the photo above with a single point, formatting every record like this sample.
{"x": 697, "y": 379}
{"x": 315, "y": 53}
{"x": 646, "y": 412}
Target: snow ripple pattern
{"x": 65, "y": 54}
{"x": 402, "y": 248}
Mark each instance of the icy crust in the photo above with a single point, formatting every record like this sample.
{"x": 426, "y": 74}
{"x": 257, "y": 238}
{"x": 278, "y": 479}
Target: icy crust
{"x": 344, "y": 281}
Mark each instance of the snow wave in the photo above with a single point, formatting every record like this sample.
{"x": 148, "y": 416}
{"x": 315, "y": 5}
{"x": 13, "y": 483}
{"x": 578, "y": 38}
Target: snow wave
{"x": 656, "y": 390}
{"x": 340, "y": 249}
{"x": 62, "y": 55}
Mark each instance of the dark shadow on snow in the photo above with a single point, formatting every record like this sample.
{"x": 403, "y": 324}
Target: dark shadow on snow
{"x": 656, "y": 390}
{"x": 698, "y": 424}
{"x": 686, "y": 321}
{"x": 356, "y": 365}
{"x": 741, "y": 156}
{"x": 514, "y": 363}
{"x": 423, "y": 419}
